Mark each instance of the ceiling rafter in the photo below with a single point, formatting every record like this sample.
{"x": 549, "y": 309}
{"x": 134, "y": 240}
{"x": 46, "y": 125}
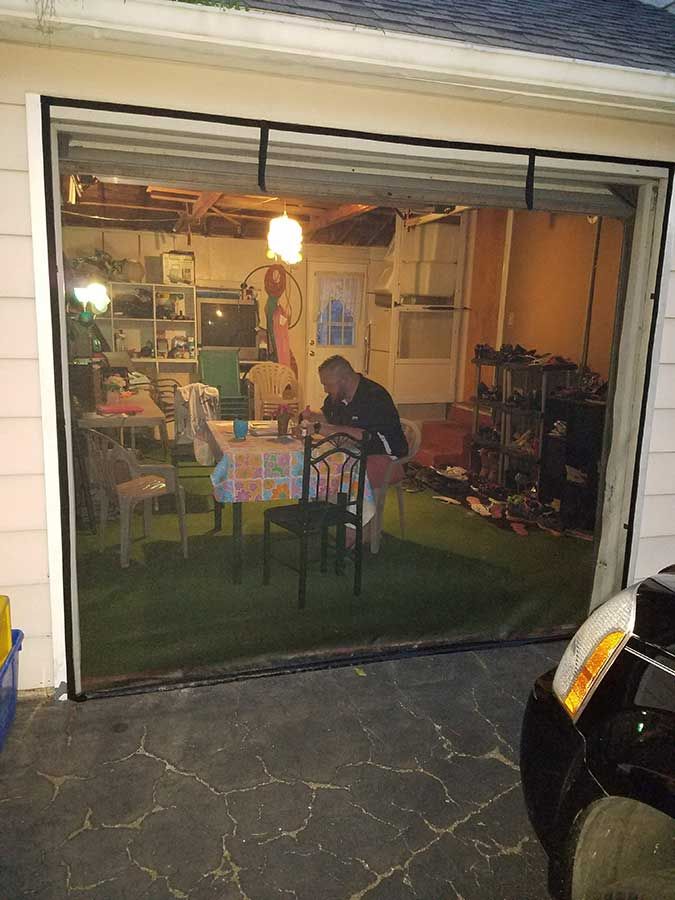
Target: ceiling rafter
{"x": 341, "y": 214}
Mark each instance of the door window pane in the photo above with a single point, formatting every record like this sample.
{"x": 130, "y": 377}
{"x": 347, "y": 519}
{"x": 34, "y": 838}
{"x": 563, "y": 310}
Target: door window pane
{"x": 339, "y": 304}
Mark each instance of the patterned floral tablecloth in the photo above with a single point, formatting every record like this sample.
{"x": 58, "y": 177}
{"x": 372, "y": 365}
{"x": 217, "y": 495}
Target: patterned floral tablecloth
{"x": 260, "y": 469}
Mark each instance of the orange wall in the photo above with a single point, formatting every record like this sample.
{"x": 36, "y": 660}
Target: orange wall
{"x": 551, "y": 258}
{"x": 485, "y": 283}
{"x": 604, "y": 303}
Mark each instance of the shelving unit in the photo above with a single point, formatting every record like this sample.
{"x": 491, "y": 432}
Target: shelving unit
{"x": 508, "y": 417}
{"x": 142, "y": 312}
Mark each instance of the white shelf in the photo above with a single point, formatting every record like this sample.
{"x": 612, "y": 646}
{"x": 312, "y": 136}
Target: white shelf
{"x": 130, "y": 319}
{"x": 155, "y": 297}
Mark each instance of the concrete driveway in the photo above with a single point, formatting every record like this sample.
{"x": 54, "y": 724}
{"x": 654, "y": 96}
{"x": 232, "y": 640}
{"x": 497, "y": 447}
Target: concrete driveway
{"x": 395, "y": 781}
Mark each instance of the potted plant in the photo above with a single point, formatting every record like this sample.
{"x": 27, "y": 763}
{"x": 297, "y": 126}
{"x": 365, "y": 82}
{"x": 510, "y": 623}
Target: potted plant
{"x": 283, "y": 418}
{"x": 113, "y": 386}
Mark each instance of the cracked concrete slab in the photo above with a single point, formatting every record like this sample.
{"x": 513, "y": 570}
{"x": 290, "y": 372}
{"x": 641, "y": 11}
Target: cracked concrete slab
{"x": 398, "y": 785}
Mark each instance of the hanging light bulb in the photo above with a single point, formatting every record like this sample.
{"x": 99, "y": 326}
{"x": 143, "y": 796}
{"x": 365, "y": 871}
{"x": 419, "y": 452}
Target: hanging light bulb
{"x": 284, "y": 239}
{"x": 95, "y": 294}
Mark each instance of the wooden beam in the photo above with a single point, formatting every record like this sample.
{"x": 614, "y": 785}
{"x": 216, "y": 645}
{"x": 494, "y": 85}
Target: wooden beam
{"x": 340, "y": 214}
{"x": 414, "y": 221}
{"x": 204, "y": 202}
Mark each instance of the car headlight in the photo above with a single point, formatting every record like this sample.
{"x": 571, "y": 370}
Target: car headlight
{"x": 593, "y": 649}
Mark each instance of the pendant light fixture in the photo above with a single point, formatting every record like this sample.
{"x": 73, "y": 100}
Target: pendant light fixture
{"x": 284, "y": 240}
{"x": 94, "y": 294}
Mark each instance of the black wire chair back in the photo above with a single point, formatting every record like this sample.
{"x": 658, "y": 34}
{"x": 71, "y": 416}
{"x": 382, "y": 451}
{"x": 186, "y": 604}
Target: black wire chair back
{"x": 333, "y": 488}
{"x": 334, "y": 469}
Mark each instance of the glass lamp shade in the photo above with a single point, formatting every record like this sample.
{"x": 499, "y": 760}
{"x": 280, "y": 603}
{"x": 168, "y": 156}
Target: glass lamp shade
{"x": 94, "y": 294}
{"x": 284, "y": 239}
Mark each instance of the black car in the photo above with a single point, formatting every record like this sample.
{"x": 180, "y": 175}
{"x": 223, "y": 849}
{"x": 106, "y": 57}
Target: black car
{"x": 598, "y": 751}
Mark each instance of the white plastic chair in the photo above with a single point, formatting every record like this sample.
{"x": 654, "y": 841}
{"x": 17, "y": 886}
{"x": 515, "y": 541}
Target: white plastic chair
{"x": 413, "y": 435}
{"x": 119, "y": 479}
{"x": 274, "y": 385}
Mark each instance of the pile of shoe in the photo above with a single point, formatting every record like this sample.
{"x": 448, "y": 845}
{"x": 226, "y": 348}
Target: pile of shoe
{"x": 522, "y": 508}
{"x": 557, "y": 362}
{"x": 488, "y": 434}
{"x": 456, "y": 473}
{"x": 517, "y": 354}
{"x": 590, "y": 386}
{"x": 439, "y": 481}
{"x": 559, "y": 429}
{"x": 489, "y": 393}
{"x": 526, "y": 442}
{"x": 508, "y": 353}
{"x": 525, "y": 399}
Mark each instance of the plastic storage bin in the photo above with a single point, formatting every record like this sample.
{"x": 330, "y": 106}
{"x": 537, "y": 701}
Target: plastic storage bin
{"x": 9, "y": 682}
{"x": 5, "y": 629}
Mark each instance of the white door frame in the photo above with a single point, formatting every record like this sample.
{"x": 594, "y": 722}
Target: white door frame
{"x": 52, "y": 357}
{"x": 338, "y": 267}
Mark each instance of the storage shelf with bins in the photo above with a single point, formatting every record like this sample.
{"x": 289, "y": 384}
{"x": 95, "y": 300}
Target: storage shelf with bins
{"x": 160, "y": 318}
{"x": 511, "y": 418}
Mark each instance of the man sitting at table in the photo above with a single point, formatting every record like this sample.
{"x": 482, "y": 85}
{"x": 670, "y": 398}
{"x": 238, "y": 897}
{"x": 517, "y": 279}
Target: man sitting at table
{"x": 354, "y": 403}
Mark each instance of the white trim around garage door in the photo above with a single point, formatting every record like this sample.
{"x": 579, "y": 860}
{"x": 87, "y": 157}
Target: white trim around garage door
{"x": 561, "y": 174}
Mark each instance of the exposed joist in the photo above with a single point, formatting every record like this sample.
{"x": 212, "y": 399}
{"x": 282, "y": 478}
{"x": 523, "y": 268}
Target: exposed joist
{"x": 426, "y": 219}
{"x": 340, "y": 214}
{"x": 204, "y": 202}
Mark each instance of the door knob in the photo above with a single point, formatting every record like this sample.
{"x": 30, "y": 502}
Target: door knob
{"x": 312, "y": 353}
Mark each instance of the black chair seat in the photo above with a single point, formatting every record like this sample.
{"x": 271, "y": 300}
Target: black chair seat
{"x": 307, "y": 518}
{"x": 313, "y": 515}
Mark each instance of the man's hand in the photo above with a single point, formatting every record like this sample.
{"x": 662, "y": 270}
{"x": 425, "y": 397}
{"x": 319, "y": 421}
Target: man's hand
{"x": 310, "y": 416}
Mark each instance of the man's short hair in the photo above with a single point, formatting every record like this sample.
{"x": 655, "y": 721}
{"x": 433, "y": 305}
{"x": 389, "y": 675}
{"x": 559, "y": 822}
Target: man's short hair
{"x": 337, "y": 364}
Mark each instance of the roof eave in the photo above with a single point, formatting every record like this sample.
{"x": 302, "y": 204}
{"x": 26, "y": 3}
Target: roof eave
{"x": 298, "y": 45}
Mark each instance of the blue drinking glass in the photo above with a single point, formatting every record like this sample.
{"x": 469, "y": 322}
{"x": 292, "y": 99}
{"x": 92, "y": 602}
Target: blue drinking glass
{"x": 240, "y": 429}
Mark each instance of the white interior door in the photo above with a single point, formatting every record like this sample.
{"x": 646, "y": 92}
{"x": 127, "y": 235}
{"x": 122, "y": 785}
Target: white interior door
{"x": 336, "y": 321}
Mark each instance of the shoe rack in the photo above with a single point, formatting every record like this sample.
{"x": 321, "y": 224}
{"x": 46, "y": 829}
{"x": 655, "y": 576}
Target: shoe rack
{"x": 518, "y": 410}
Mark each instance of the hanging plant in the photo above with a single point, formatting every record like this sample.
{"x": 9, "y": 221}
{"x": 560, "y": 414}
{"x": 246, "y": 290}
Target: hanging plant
{"x": 100, "y": 262}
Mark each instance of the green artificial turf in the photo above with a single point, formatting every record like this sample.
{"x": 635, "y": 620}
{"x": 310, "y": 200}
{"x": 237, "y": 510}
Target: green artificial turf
{"x": 456, "y": 576}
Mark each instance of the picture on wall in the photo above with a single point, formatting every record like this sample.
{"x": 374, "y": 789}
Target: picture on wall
{"x": 178, "y": 267}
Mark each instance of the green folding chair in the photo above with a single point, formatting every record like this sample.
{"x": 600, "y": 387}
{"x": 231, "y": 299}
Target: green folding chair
{"x": 220, "y": 368}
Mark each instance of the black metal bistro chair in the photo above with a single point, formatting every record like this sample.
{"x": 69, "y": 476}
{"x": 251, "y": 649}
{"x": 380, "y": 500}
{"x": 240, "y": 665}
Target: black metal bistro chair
{"x": 332, "y": 496}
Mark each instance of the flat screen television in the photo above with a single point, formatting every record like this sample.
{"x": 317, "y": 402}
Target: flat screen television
{"x": 226, "y": 322}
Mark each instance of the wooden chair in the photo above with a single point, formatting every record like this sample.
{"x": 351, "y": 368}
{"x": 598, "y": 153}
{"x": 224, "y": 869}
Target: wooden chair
{"x": 163, "y": 392}
{"x": 274, "y": 385}
{"x": 413, "y": 436}
{"x": 333, "y": 467}
{"x": 114, "y": 472}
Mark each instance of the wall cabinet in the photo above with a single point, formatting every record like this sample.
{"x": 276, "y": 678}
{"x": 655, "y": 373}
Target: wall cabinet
{"x": 155, "y": 324}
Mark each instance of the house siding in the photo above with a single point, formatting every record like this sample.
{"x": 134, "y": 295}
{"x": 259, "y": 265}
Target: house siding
{"x": 99, "y": 76}
{"x": 656, "y": 545}
{"x": 23, "y": 534}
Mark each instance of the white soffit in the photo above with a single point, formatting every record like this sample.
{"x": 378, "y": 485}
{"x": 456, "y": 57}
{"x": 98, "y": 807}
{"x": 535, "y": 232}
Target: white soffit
{"x": 218, "y": 156}
{"x": 297, "y": 45}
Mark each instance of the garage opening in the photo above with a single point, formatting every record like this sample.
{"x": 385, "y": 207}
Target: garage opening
{"x": 485, "y": 291}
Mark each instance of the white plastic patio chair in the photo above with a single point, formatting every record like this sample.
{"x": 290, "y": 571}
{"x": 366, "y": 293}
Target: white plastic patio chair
{"x": 274, "y": 385}
{"x": 413, "y": 435}
{"x": 119, "y": 479}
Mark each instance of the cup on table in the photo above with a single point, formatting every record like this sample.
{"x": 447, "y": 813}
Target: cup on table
{"x": 240, "y": 428}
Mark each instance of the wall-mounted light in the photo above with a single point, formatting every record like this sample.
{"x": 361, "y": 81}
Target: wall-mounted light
{"x": 284, "y": 240}
{"x": 94, "y": 294}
